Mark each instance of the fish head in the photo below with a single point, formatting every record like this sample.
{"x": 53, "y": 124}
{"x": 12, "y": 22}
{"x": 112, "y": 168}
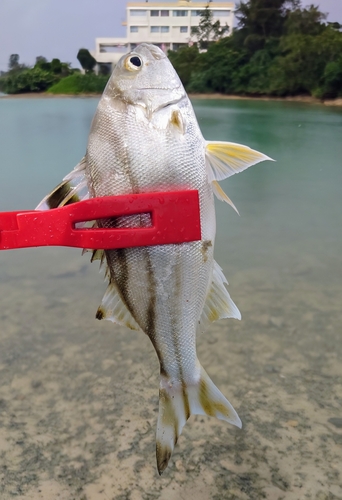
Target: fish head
{"x": 145, "y": 77}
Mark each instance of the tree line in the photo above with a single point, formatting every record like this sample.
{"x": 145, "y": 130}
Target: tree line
{"x": 21, "y": 78}
{"x": 52, "y": 76}
{"x": 279, "y": 48}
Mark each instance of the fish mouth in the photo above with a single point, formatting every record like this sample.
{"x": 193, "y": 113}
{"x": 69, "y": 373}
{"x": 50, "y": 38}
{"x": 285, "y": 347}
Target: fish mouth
{"x": 174, "y": 96}
{"x": 176, "y": 93}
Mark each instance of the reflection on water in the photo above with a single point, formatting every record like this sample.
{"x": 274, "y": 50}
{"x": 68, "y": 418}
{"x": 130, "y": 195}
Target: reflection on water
{"x": 79, "y": 396}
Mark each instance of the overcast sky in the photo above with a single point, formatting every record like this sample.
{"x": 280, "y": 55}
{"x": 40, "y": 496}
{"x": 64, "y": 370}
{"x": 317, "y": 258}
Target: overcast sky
{"x": 58, "y": 28}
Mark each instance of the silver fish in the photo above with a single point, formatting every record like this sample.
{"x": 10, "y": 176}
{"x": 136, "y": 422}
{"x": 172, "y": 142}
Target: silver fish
{"x": 144, "y": 138}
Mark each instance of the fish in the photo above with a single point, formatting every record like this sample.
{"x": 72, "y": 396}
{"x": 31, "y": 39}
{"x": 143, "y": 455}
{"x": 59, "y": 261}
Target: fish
{"x": 145, "y": 138}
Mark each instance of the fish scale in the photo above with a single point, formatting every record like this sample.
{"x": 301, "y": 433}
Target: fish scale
{"x": 145, "y": 138}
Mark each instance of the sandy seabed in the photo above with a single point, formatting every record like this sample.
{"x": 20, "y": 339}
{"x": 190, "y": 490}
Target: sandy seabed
{"x": 79, "y": 398}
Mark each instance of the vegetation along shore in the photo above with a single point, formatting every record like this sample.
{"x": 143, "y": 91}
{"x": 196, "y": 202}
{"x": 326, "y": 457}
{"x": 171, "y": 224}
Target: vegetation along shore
{"x": 286, "y": 51}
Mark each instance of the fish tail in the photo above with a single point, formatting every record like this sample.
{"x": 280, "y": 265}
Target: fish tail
{"x": 177, "y": 401}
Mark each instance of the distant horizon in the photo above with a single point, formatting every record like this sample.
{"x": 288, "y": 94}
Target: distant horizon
{"x": 59, "y": 28}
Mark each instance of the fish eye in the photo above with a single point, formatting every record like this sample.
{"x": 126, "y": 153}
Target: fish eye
{"x": 133, "y": 63}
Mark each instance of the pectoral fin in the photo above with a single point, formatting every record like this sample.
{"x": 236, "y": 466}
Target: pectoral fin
{"x": 228, "y": 158}
{"x": 73, "y": 188}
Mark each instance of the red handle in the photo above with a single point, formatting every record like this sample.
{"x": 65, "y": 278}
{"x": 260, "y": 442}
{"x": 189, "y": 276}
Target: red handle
{"x": 175, "y": 219}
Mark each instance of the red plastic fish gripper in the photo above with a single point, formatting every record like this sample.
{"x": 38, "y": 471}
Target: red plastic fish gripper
{"x": 175, "y": 219}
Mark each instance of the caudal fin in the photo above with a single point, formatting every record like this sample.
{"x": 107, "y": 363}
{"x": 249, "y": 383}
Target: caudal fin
{"x": 178, "y": 401}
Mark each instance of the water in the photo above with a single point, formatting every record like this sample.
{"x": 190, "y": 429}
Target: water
{"x": 279, "y": 366}
{"x": 294, "y": 204}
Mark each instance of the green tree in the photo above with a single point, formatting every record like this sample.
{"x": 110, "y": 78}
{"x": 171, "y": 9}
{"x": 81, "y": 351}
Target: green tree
{"x": 13, "y": 63}
{"x": 308, "y": 21}
{"x": 56, "y": 66}
{"x": 260, "y": 20}
{"x": 40, "y": 60}
{"x": 185, "y": 62}
{"x": 335, "y": 26}
{"x": 31, "y": 80}
{"x": 309, "y": 64}
{"x": 42, "y": 63}
{"x": 207, "y": 31}
{"x": 105, "y": 69}
{"x": 278, "y": 48}
{"x": 218, "y": 69}
{"x": 86, "y": 60}
{"x": 332, "y": 79}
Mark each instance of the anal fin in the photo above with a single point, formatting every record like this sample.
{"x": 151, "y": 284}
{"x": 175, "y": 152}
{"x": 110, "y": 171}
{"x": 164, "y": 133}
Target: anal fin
{"x": 218, "y": 303}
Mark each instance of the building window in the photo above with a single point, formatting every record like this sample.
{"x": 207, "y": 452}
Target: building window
{"x": 165, "y": 29}
{"x": 161, "y": 13}
{"x": 155, "y": 29}
{"x": 183, "y": 29}
{"x": 196, "y": 12}
{"x": 221, "y": 13}
{"x": 134, "y": 29}
{"x": 138, "y": 12}
{"x": 180, "y": 13}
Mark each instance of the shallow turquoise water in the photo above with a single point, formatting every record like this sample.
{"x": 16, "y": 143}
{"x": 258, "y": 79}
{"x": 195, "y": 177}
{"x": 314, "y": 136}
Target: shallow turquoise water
{"x": 291, "y": 210}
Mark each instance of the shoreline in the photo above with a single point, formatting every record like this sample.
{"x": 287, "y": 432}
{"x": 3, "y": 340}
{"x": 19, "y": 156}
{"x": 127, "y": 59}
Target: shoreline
{"x": 46, "y": 95}
{"x": 302, "y": 99}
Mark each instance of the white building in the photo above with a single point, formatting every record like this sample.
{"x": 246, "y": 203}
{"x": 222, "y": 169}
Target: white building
{"x": 166, "y": 24}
